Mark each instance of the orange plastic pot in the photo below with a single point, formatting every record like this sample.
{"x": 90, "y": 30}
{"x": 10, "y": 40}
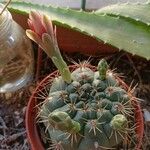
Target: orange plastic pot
{"x": 31, "y": 113}
{"x": 73, "y": 41}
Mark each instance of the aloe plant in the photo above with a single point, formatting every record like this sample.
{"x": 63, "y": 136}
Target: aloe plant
{"x": 125, "y": 33}
{"x": 137, "y": 11}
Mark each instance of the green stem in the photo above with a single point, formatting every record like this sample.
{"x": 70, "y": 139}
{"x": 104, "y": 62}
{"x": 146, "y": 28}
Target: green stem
{"x": 62, "y": 67}
{"x": 52, "y": 50}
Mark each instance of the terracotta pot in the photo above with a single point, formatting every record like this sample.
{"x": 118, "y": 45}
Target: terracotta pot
{"x": 31, "y": 113}
{"x": 73, "y": 41}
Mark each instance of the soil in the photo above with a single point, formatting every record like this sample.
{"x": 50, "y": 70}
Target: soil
{"x": 136, "y": 72}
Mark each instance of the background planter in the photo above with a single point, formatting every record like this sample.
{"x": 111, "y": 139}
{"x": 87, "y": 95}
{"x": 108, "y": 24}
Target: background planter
{"x": 31, "y": 112}
{"x": 73, "y": 41}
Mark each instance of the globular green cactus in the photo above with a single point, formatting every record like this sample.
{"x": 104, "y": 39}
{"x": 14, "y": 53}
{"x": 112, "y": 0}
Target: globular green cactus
{"x": 85, "y": 109}
{"x": 88, "y": 112}
{"x": 123, "y": 26}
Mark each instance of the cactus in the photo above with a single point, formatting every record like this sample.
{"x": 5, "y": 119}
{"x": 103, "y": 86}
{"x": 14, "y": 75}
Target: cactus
{"x": 88, "y": 111}
{"x": 91, "y": 111}
{"x": 125, "y": 33}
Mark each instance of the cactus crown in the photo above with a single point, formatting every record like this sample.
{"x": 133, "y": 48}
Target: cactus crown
{"x": 85, "y": 109}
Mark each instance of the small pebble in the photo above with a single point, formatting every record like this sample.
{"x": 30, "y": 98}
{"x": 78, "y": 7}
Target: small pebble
{"x": 146, "y": 116}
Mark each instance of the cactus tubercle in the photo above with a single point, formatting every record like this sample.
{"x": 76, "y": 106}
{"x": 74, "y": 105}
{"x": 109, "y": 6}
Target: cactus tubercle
{"x": 102, "y": 68}
{"x": 119, "y": 122}
{"x": 62, "y": 121}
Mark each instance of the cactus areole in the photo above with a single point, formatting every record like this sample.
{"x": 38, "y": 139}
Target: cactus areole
{"x": 85, "y": 109}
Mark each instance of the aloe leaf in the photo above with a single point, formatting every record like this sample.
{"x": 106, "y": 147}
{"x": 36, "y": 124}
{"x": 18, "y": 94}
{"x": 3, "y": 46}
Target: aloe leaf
{"x": 123, "y": 33}
{"x": 137, "y": 11}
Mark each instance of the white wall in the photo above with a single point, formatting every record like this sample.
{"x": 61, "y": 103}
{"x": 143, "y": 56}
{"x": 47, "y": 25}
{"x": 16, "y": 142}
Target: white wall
{"x": 92, "y": 4}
